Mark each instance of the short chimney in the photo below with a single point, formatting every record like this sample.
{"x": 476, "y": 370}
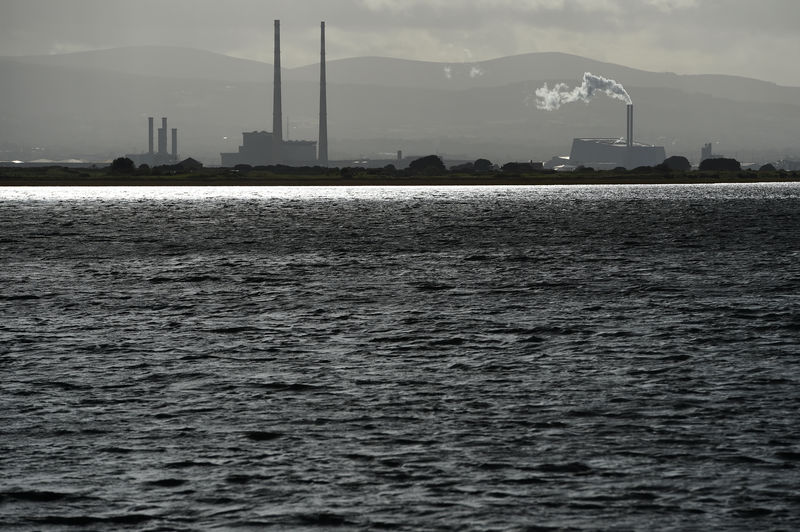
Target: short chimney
{"x": 175, "y": 144}
{"x": 150, "y": 135}
{"x": 162, "y": 138}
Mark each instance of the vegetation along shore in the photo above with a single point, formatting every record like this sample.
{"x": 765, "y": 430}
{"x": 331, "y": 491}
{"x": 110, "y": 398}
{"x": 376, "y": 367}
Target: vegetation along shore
{"x": 121, "y": 174}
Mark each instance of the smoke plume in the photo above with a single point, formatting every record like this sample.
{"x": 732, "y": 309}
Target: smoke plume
{"x": 551, "y": 99}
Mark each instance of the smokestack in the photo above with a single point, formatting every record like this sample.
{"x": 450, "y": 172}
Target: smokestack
{"x": 150, "y": 135}
{"x": 630, "y": 125}
{"x": 162, "y": 137}
{"x": 322, "y": 156}
{"x": 277, "y": 111}
{"x": 175, "y": 144}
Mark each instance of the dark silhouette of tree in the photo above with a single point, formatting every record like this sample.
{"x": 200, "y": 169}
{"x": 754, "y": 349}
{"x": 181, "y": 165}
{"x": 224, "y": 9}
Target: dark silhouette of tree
{"x": 465, "y": 168}
{"x": 188, "y": 165}
{"x": 123, "y": 165}
{"x": 349, "y": 172}
{"x": 678, "y": 163}
{"x": 520, "y": 168}
{"x": 721, "y": 165}
{"x": 430, "y": 165}
{"x": 483, "y": 165}
{"x": 648, "y": 169}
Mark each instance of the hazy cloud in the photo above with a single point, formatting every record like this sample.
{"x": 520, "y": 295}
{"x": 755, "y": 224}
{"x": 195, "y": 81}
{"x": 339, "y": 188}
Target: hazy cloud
{"x": 686, "y": 36}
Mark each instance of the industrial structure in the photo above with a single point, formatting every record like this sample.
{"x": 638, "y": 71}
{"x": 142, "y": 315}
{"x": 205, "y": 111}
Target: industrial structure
{"x": 162, "y": 156}
{"x": 269, "y": 148}
{"x": 609, "y": 153}
{"x": 322, "y": 155}
{"x": 706, "y": 152}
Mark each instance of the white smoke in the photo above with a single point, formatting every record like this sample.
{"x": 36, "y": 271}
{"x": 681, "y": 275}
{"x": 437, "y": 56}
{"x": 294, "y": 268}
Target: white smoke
{"x": 466, "y": 67}
{"x": 551, "y": 99}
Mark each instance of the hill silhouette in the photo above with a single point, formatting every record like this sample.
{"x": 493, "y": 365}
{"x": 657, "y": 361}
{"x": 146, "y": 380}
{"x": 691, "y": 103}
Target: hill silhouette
{"x": 543, "y": 66}
{"x": 159, "y": 61}
{"x": 97, "y": 103}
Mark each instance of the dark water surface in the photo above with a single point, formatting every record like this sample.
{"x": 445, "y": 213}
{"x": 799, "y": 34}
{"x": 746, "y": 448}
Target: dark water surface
{"x": 500, "y": 358}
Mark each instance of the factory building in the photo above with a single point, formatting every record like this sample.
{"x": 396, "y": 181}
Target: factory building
{"x": 269, "y": 148}
{"x": 609, "y": 153}
{"x": 261, "y": 148}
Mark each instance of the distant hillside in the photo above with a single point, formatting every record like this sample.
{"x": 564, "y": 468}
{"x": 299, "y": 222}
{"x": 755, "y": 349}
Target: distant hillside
{"x": 98, "y": 103}
{"x": 536, "y": 67}
{"x": 160, "y": 61}
{"x": 188, "y": 63}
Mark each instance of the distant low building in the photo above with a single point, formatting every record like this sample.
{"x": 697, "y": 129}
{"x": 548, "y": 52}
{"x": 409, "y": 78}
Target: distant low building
{"x": 788, "y": 165}
{"x": 610, "y": 153}
{"x": 189, "y": 165}
{"x": 559, "y": 163}
{"x": 261, "y": 148}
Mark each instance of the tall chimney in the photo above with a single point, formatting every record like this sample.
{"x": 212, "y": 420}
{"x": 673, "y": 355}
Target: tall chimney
{"x": 162, "y": 137}
{"x": 175, "y": 144}
{"x": 150, "y": 135}
{"x": 277, "y": 111}
{"x": 322, "y": 156}
{"x": 630, "y": 125}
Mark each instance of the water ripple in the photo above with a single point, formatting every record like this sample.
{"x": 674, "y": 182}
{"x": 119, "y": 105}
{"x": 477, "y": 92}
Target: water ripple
{"x": 492, "y": 358}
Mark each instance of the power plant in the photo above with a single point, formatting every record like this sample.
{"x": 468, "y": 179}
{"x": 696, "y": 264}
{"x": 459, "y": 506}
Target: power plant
{"x": 264, "y": 148}
{"x": 162, "y": 156}
{"x": 609, "y": 153}
{"x": 600, "y": 153}
{"x": 269, "y": 148}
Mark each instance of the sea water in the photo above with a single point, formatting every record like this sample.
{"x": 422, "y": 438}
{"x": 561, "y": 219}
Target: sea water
{"x": 400, "y": 358}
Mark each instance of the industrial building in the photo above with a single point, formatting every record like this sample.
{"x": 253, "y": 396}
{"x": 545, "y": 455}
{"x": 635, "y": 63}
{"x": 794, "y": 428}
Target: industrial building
{"x": 262, "y": 148}
{"x": 609, "y": 153}
{"x": 162, "y": 156}
{"x": 268, "y": 148}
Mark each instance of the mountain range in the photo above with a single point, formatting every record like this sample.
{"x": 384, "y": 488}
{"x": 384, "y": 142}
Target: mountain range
{"x": 96, "y": 104}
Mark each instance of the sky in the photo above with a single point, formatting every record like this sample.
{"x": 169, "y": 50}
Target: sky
{"x": 752, "y": 38}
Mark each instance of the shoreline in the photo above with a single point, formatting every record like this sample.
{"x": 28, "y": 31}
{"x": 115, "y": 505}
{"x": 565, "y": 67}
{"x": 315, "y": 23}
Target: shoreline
{"x": 195, "y": 180}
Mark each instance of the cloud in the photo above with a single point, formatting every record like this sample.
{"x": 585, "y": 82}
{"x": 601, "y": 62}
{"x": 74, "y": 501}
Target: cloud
{"x": 687, "y": 36}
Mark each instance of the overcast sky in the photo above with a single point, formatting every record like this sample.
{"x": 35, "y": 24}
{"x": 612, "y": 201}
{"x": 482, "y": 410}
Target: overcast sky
{"x": 754, "y": 38}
